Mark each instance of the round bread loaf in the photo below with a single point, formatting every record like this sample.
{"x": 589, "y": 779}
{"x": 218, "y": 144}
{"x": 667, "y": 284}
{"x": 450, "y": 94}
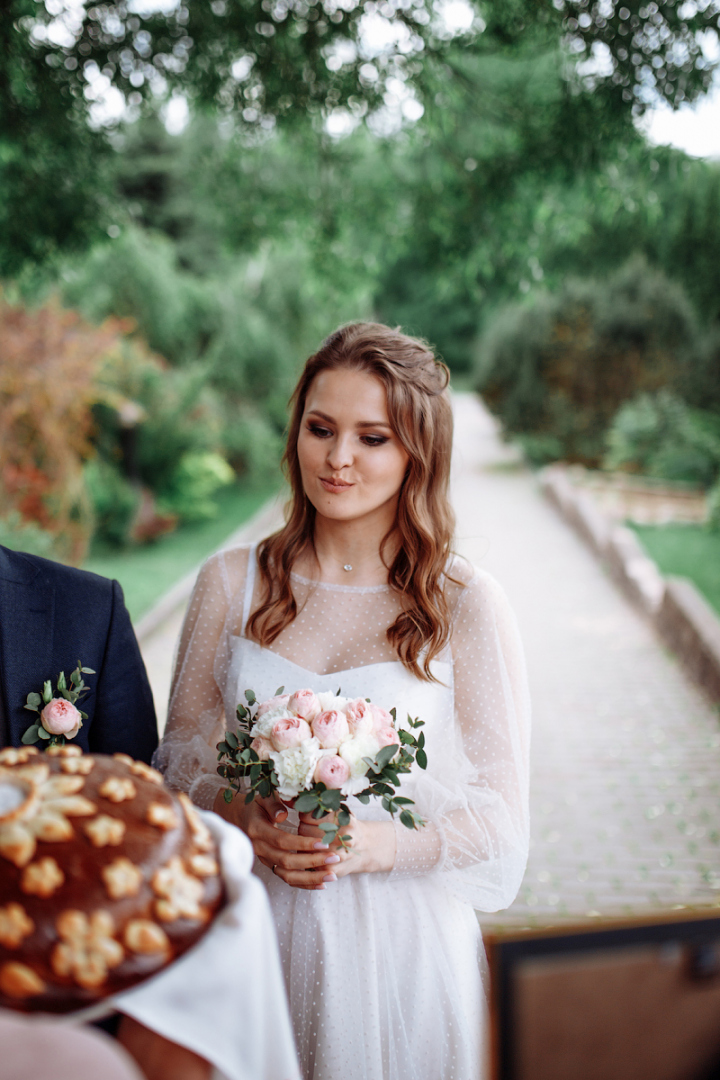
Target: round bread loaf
{"x": 106, "y": 876}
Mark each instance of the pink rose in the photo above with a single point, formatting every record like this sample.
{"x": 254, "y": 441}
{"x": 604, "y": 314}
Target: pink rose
{"x": 360, "y": 718}
{"x": 304, "y": 703}
{"x": 331, "y": 771}
{"x": 262, "y": 747}
{"x": 279, "y": 702}
{"x": 387, "y": 737}
{"x": 60, "y": 717}
{"x": 330, "y": 728}
{"x": 381, "y": 718}
{"x": 289, "y": 732}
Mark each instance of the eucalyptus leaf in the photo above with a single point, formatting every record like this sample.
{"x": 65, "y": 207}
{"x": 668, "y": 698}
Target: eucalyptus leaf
{"x": 231, "y": 739}
{"x": 421, "y": 739}
{"x": 327, "y": 826}
{"x": 387, "y": 754}
{"x": 34, "y": 700}
{"x": 250, "y": 697}
{"x": 249, "y": 797}
{"x": 32, "y": 708}
{"x": 421, "y": 758}
{"x": 31, "y": 735}
{"x": 364, "y": 799}
{"x": 280, "y": 690}
{"x": 343, "y": 817}
{"x": 42, "y": 733}
{"x": 332, "y": 798}
{"x": 407, "y": 819}
{"x": 87, "y": 670}
{"x": 306, "y": 802}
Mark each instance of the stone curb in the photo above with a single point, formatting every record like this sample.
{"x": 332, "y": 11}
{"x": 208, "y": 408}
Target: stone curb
{"x": 266, "y": 520}
{"x": 680, "y": 614}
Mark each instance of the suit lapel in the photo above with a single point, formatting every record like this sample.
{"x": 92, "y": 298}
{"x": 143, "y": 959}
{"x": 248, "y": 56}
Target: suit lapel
{"x": 27, "y": 609}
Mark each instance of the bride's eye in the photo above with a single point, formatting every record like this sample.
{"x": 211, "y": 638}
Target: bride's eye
{"x": 374, "y": 440}
{"x": 319, "y": 431}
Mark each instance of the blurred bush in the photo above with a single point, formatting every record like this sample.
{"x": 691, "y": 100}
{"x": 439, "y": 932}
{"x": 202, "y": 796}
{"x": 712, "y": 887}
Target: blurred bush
{"x": 556, "y": 368}
{"x": 21, "y": 535}
{"x": 137, "y": 275}
{"x": 661, "y": 436}
{"x": 50, "y": 358}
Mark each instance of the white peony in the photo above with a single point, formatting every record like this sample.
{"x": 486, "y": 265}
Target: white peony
{"x": 329, "y": 702}
{"x": 264, "y": 725}
{"x": 353, "y": 751}
{"x": 295, "y": 767}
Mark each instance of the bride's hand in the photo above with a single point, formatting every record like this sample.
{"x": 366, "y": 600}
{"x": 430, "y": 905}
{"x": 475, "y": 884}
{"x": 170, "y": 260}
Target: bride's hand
{"x": 370, "y": 849}
{"x": 299, "y": 861}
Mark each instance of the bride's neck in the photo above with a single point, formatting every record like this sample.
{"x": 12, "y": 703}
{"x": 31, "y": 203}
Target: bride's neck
{"x": 347, "y": 553}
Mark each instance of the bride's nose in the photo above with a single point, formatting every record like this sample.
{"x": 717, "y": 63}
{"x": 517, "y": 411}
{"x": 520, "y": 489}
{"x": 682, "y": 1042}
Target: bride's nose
{"x": 340, "y": 452}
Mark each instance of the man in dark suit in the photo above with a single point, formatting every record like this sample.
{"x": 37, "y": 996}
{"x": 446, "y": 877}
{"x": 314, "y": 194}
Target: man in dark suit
{"x": 51, "y": 616}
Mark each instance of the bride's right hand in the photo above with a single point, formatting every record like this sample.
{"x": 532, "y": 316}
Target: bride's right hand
{"x": 300, "y": 861}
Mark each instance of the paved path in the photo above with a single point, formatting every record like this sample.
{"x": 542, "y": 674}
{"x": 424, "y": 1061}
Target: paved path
{"x": 625, "y": 793}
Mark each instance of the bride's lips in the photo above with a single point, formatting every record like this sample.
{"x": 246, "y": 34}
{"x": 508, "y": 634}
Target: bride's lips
{"x": 334, "y": 486}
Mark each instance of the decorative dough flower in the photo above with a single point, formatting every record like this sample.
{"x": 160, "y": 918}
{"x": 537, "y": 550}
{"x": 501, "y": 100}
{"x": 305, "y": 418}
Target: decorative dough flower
{"x": 145, "y": 937}
{"x": 88, "y": 948}
{"x": 105, "y": 830}
{"x": 117, "y": 789}
{"x": 43, "y": 804}
{"x": 15, "y": 924}
{"x": 200, "y": 831}
{"x": 180, "y": 892}
{"x": 162, "y": 815}
{"x": 42, "y": 878}
{"x": 20, "y": 981}
{"x": 122, "y": 878}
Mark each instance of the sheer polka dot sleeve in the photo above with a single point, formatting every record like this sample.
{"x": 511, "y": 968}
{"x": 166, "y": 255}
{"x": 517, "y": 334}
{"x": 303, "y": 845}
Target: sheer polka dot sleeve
{"x": 196, "y": 718}
{"x": 475, "y": 794}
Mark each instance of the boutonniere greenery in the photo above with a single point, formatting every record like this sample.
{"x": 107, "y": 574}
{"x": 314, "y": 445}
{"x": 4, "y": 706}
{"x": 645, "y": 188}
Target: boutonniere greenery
{"x": 58, "y": 718}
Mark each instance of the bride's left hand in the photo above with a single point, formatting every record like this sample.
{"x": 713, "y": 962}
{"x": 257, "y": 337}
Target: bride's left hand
{"x": 370, "y": 849}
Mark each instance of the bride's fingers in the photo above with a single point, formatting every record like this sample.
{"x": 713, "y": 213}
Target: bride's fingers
{"x": 275, "y": 810}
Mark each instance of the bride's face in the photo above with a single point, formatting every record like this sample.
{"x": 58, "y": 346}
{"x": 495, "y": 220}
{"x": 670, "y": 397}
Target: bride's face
{"x": 352, "y": 464}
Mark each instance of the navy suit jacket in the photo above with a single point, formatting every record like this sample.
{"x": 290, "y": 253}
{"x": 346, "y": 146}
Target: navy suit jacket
{"x": 51, "y": 616}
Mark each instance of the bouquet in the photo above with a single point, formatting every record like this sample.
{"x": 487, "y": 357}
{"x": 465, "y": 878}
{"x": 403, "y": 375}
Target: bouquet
{"x": 313, "y": 749}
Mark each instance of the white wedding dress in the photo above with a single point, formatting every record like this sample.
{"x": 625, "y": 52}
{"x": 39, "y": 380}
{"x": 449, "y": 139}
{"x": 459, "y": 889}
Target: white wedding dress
{"x": 383, "y": 970}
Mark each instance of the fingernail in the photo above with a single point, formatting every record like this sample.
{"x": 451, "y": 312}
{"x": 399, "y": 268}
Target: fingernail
{"x": 320, "y": 847}
{"x": 319, "y": 887}
{"x": 332, "y": 858}
{"x": 330, "y": 877}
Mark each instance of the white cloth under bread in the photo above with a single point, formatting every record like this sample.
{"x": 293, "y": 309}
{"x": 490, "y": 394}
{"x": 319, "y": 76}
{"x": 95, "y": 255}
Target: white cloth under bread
{"x": 225, "y": 998}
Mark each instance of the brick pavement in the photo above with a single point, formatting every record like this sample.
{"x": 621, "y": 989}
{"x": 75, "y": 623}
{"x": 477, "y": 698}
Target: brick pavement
{"x": 625, "y": 788}
{"x": 625, "y": 795}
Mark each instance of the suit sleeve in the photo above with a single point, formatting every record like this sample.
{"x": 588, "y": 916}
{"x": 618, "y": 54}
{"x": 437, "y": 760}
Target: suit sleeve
{"x": 124, "y": 715}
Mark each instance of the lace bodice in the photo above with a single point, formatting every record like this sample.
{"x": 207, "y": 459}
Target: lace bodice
{"x": 474, "y": 792}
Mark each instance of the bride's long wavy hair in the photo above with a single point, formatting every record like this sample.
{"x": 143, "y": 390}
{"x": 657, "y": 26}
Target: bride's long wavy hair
{"x": 421, "y": 417}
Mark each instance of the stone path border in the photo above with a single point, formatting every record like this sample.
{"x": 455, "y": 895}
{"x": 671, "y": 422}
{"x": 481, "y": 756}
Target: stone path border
{"x": 679, "y": 612}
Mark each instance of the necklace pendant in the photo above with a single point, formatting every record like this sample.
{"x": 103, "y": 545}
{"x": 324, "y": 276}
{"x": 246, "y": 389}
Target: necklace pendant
{"x": 347, "y": 567}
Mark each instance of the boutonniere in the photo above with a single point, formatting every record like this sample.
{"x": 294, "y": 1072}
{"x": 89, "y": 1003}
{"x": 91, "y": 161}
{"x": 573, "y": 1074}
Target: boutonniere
{"x": 59, "y": 720}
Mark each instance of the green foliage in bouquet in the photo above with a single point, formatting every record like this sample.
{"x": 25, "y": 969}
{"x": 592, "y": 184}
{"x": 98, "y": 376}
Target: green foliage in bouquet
{"x": 242, "y": 763}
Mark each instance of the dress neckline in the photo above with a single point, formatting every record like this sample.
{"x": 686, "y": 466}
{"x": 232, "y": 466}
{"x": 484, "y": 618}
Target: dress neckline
{"x": 329, "y": 674}
{"x": 331, "y": 587}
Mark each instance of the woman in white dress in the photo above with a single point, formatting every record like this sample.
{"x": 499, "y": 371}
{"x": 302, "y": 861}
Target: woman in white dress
{"x": 359, "y": 592}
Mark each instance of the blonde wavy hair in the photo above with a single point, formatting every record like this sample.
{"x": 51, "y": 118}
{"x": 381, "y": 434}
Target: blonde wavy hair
{"x": 419, "y": 410}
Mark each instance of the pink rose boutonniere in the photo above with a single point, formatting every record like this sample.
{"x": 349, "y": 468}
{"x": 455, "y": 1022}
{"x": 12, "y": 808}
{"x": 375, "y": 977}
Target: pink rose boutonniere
{"x": 59, "y": 719}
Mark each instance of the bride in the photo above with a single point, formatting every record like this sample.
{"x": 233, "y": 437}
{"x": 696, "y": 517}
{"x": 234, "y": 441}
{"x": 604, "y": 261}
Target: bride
{"x": 359, "y": 592}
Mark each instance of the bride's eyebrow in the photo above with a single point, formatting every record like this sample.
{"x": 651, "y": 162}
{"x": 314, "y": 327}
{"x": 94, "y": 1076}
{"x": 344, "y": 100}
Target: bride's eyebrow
{"x": 360, "y": 423}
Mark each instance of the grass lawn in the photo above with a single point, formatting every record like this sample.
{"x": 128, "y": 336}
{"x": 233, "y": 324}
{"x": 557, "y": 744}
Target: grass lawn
{"x": 690, "y": 551}
{"x": 146, "y": 572}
